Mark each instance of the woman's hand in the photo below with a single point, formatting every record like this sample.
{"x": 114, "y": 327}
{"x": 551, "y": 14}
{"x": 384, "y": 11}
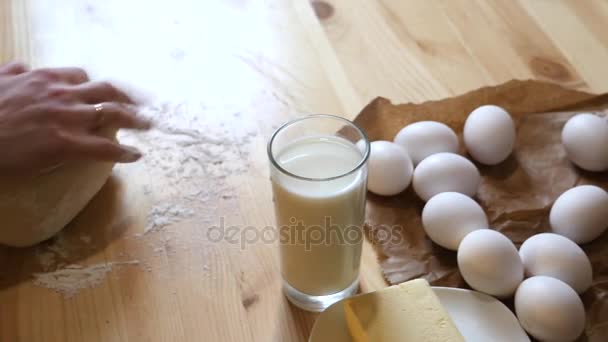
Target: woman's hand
{"x": 49, "y": 116}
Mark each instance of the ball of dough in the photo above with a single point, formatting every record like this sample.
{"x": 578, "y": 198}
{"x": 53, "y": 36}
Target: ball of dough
{"x": 34, "y": 209}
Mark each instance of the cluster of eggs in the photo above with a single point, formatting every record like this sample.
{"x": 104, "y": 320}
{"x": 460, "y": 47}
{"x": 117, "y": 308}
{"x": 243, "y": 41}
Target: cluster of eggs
{"x": 550, "y": 270}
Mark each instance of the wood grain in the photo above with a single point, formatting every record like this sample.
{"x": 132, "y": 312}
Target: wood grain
{"x": 246, "y": 67}
{"x": 14, "y": 31}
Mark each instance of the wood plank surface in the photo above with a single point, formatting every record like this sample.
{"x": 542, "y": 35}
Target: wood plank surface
{"x": 219, "y": 76}
{"x": 14, "y": 34}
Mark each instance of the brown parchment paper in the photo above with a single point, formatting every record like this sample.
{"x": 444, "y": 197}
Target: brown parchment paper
{"x": 516, "y": 194}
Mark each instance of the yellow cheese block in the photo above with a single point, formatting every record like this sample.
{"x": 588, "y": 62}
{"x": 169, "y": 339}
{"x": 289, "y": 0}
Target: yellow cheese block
{"x": 402, "y": 313}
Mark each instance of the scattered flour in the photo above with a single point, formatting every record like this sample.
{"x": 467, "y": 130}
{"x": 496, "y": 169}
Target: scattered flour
{"x": 47, "y": 260}
{"x": 190, "y": 161}
{"x": 54, "y": 253}
{"x": 164, "y": 215}
{"x": 59, "y": 246}
{"x": 70, "y": 280}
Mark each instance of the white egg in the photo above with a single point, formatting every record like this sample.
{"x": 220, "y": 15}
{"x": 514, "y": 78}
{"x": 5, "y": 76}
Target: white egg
{"x": 580, "y": 214}
{"x": 556, "y": 256}
{"x": 445, "y": 172}
{"x": 421, "y": 139}
{"x": 489, "y": 134}
{"x": 549, "y": 309}
{"x": 449, "y": 216}
{"x": 489, "y": 263}
{"x": 585, "y": 137}
{"x": 390, "y": 168}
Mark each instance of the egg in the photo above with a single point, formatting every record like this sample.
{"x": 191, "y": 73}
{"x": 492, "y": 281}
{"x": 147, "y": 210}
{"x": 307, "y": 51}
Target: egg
{"x": 556, "y": 256}
{"x": 585, "y": 138}
{"x": 445, "y": 172}
{"x": 489, "y": 134}
{"x": 421, "y": 139}
{"x": 549, "y": 309}
{"x": 449, "y": 216}
{"x": 580, "y": 214}
{"x": 389, "y": 168}
{"x": 489, "y": 263}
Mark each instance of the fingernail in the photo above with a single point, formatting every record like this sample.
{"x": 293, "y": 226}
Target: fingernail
{"x": 144, "y": 123}
{"x": 130, "y": 154}
{"x": 140, "y": 122}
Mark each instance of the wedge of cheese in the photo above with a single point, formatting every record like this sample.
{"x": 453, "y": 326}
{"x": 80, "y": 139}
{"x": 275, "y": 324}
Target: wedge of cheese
{"x": 409, "y": 312}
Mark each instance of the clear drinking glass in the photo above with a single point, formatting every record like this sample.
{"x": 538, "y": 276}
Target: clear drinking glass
{"x": 319, "y": 181}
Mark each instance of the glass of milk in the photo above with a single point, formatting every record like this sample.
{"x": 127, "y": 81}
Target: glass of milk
{"x": 319, "y": 181}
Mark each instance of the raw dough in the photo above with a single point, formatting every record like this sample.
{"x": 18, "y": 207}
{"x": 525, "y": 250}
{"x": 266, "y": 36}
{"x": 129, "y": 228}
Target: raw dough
{"x": 34, "y": 209}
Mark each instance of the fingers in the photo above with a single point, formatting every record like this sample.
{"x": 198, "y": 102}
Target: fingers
{"x": 107, "y": 114}
{"x": 99, "y": 92}
{"x": 112, "y": 114}
{"x": 72, "y": 84}
{"x": 72, "y": 76}
{"x": 99, "y": 148}
{"x": 67, "y": 75}
{"x": 13, "y": 68}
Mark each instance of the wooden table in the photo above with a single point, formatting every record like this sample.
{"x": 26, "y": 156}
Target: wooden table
{"x": 232, "y": 70}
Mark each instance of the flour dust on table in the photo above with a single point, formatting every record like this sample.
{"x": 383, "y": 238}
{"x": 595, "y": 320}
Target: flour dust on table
{"x": 191, "y": 163}
{"x": 70, "y": 280}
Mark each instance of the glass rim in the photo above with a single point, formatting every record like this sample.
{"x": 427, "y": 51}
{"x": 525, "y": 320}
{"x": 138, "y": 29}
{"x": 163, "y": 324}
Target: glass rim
{"x": 361, "y": 163}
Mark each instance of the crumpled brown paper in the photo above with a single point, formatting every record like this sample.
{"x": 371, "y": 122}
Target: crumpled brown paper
{"x": 516, "y": 194}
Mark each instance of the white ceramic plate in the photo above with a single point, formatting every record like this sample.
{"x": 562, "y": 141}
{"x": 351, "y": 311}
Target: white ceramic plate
{"x": 479, "y": 317}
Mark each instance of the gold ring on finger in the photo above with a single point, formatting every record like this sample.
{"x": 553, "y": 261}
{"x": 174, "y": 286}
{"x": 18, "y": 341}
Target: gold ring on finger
{"x": 99, "y": 115}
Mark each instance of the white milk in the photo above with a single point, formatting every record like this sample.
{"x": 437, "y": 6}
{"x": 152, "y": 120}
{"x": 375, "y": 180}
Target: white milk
{"x": 321, "y": 222}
